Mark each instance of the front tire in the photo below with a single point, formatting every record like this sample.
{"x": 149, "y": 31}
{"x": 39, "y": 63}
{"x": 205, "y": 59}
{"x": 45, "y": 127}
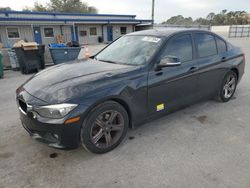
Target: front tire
{"x": 228, "y": 87}
{"x": 105, "y": 127}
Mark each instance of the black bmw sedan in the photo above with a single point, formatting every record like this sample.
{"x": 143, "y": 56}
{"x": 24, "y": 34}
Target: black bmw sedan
{"x": 139, "y": 77}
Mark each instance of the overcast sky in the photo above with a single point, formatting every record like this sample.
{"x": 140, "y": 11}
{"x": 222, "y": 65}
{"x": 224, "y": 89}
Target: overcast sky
{"x": 164, "y": 9}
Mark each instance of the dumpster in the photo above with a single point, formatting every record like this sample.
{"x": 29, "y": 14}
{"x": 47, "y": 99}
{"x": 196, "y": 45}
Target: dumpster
{"x": 64, "y": 54}
{"x": 13, "y": 60}
{"x": 41, "y": 51}
{"x": 29, "y": 60}
{"x": 1, "y": 65}
{"x": 55, "y": 45}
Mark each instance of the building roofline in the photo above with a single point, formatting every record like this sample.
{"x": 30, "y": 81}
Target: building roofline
{"x": 75, "y": 20}
{"x": 65, "y": 13}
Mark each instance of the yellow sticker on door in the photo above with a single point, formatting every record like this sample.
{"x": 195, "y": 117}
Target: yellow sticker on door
{"x": 160, "y": 107}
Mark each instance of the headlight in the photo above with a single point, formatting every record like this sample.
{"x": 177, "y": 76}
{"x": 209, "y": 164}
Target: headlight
{"x": 56, "y": 111}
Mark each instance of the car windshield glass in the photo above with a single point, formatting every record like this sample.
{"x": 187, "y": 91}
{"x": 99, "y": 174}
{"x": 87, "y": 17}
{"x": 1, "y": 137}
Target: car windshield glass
{"x": 130, "y": 50}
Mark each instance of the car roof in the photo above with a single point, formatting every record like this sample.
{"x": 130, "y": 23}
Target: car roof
{"x": 165, "y": 32}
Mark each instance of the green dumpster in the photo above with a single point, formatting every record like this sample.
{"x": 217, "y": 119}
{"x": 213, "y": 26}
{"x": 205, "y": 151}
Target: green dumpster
{"x": 1, "y": 65}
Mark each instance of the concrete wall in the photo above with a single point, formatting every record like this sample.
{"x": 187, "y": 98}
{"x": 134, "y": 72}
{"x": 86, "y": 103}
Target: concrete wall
{"x": 116, "y": 31}
{"x": 66, "y": 33}
{"x": 25, "y": 32}
{"x": 94, "y": 39}
{"x": 89, "y": 39}
{"x": 221, "y": 30}
{"x": 49, "y": 40}
{"x": 236, "y": 30}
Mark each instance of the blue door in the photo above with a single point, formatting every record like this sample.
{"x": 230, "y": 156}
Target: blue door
{"x": 37, "y": 34}
{"x": 76, "y": 30}
{"x": 74, "y": 34}
{"x": 110, "y": 33}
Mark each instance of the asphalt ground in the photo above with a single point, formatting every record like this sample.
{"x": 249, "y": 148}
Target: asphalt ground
{"x": 205, "y": 145}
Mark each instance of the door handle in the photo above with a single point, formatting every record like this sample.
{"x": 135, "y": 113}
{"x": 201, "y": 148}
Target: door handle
{"x": 159, "y": 73}
{"x": 193, "y": 69}
{"x": 223, "y": 59}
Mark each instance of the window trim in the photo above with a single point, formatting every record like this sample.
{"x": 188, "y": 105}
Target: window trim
{"x": 12, "y": 28}
{"x": 48, "y": 28}
{"x": 83, "y": 31}
{"x": 180, "y": 35}
{"x": 216, "y": 38}
{"x": 90, "y": 32}
{"x": 121, "y": 30}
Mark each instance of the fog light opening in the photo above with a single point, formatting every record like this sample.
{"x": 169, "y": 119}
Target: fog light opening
{"x": 56, "y": 136}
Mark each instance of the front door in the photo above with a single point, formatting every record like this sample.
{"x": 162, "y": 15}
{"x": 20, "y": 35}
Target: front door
{"x": 37, "y": 34}
{"x": 110, "y": 33}
{"x": 172, "y": 87}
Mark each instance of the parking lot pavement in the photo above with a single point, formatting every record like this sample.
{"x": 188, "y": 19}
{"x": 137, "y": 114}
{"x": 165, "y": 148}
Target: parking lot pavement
{"x": 205, "y": 145}
{"x": 92, "y": 49}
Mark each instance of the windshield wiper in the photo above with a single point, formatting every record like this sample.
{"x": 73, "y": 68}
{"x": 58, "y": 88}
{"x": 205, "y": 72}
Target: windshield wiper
{"x": 107, "y": 61}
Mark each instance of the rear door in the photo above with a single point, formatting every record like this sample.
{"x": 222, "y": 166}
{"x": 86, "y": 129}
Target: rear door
{"x": 172, "y": 87}
{"x": 210, "y": 54}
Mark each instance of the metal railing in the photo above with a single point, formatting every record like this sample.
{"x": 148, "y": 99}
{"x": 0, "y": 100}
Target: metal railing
{"x": 205, "y": 27}
{"x": 238, "y": 31}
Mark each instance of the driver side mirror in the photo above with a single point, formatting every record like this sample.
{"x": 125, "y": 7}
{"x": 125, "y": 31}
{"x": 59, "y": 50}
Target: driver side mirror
{"x": 169, "y": 61}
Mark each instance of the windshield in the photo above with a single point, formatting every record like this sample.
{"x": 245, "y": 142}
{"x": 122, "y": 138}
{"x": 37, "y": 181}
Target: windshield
{"x": 130, "y": 50}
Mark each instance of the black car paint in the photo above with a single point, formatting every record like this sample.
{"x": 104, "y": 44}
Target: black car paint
{"x": 138, "y": 88}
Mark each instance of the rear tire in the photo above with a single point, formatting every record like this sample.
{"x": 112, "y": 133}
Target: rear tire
{"x": 228, "y": 87}
{"x": 104, "y": 128}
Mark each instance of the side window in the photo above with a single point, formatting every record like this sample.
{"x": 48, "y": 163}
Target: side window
{"x": 48, "y": 32}
{"x": 13, "y": 33}
{"x": 180, "y": 47}
{"x": 221, "y": 45}
{"x": 123, "y": 30}
{"x": 83, "y": 33}
{"x": 92, "y": 31}
{"x": 206, "y": 44}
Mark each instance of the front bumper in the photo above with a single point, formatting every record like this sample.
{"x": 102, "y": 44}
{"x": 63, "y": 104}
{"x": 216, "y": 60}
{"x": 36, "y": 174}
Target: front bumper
{"x": 55, "y": 135}
{"x": 50, "y": 131}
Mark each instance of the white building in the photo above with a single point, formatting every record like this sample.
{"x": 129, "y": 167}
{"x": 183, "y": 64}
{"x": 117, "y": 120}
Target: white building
{"x": 44, "y": 27}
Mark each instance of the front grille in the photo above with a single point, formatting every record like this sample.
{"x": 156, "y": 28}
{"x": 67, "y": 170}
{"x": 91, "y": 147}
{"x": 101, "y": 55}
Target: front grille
{"x": 23, "y": 105}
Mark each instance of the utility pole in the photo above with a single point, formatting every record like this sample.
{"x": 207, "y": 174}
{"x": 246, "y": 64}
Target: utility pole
{"x": 153, "y": 11}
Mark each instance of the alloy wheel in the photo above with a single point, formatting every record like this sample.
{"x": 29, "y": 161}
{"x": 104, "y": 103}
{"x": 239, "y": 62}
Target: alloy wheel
{"x": 229, "y": 86}
{"x": 107, "y": 129}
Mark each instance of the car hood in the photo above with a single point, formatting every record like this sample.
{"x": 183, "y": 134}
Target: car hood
{"x": 61, "y": 82}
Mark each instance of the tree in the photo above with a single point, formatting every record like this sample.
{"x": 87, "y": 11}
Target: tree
{"x": 92, "y": 9}
{"x": 210, "y": 16}
{"x": 5, "y": 9}
{"x": 179, "y": 20}
{"x": 64, "y": 6}
{"x": 222, "y": 18}
{"x": 39, "y": 7}
{"x": 201, "y": 21}
{"x": 224, "y": 11}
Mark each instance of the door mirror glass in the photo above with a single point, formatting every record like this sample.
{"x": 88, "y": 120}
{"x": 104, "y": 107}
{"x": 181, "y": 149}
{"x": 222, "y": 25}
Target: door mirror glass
{"x": 169, "y": 61}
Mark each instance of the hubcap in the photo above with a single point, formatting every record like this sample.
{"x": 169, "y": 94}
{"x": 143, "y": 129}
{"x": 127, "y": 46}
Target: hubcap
{"x": 229, "y": 86}
{"x": 107, "y": 129}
